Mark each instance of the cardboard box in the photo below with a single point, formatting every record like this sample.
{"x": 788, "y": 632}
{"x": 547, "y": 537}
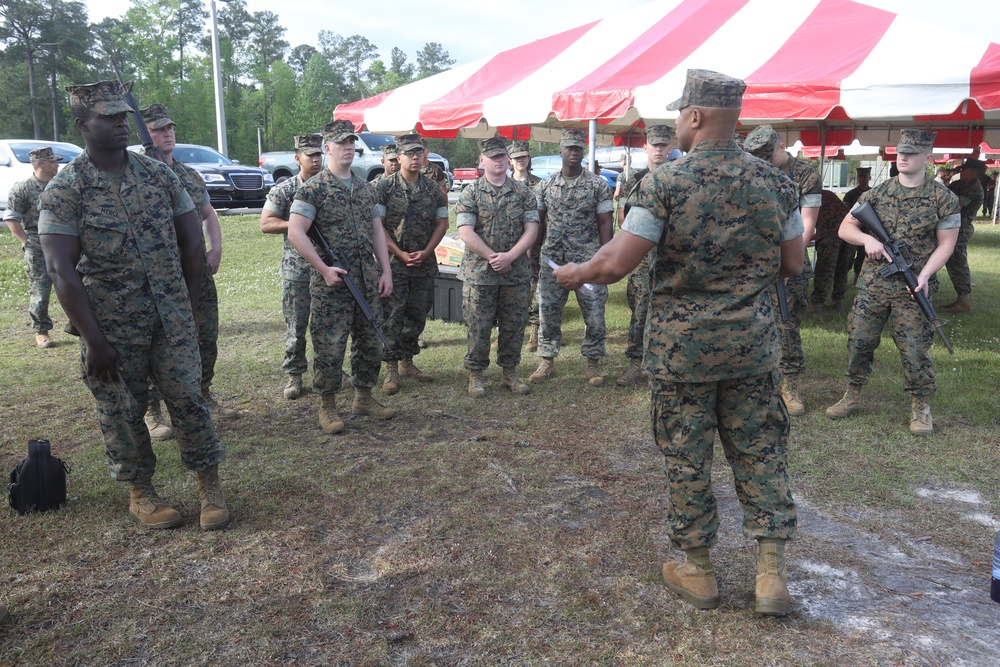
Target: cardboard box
{"x": 449, "y": 252}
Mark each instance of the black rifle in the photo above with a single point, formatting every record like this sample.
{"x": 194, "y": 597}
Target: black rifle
{"x": 331, "y": 257}
{"x": 901, "y": 263}
{"x": 786, "y": 320}
{"x": 138, "y": 126}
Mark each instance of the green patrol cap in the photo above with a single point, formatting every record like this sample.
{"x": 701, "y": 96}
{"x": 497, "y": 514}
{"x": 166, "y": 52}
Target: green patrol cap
{"x": 105, "y": 98}
{"x": 705, "y": 88}
{"x": 659, "y": 134}
{"x": 571, "y": 138}
{"x": 42, "y": 155}
{"x": 409, "y": 142}
{"x": 518, "y": 149}
{"x": 339, "y": 130}
{"x": 492, "y": 147}
{"x": 973, "y": 163}
{"x": 156, "y": 116}
{"x": 762, "y": 142}
{"x": 912, "y": 140}
{"x": 309, "y": 144}
{"x": 390, "y": 152}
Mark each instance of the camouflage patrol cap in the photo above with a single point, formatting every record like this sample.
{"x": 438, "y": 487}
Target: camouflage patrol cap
{"x": 42, "y": 155}
{"x": 105, "y": 98}
{"x": 518, "y": 149}
{"x": 493, "y": 147}
{"x": 409, "y": 142}
{"x": 571, "y": 137}
{"x": 659, "y": 134}
{"x": 705, "y": 88}
{"x": 309, "y": 144}
{"x": 390, "y": 152}
{"x": 339, "y": 130}
{"x": 912, "y": 140}
{"x": 973, "y": 163}
{"x": 762, "y": 142}
{"x": 156, "y": 116}
{"x": 864, "y": 172}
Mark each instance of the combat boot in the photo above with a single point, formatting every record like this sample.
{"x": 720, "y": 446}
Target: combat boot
{"x": 409, "y": 369}
{"x": 293, "y": 388}
{"x": 960, "y": 306}
{"x": 790, "y": 395}
{"x": 533, "y": 338}
{"x": 219, "y": 413}
{"x": 772, "y": 579}
{"x": 364, "y": 404}
{"x": 594, "y": 375}
{"x": 43, "y": 341}
{"x": 694, "y": 579}
{"x": 145, "y": 504}
{"x": 920, "y": 419}
{"x": 546, "y": 371}
{"x": 214, "y": 513}
{"x": 329, "y": 418}
{"x": 512, "y": 382}
{"x": 476, "y": 388}
{"x": 391, "y": 384}
{"x": 633, "y": 375}
{"x": 847, "y": 405}
{"x": 158, "y": 429}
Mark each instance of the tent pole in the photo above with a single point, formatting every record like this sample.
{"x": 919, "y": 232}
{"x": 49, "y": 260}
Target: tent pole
{"x": 822, "y": 154}
{"x": 592, "y": 139}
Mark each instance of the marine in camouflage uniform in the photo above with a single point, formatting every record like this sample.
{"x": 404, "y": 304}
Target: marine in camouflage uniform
{"x": 828, "y": 251}
{"x": 724, "y": 224}
{"x": 21, "y": 217}
{"x": 764, "y": 143}
{"x": 852, "y": 256}
{"x": 343, "y": 208}
{"x": 295, "y": 271}
{"x": 497, "y": 218}
{"x": 431, "y": 170}
{"x": 924, "y": 215}
{"x": 637, "y": 290}
{"x": 574, "y": 207}
{"x": 414, "y": 212}
{"x": 519, "y": 150}
{"x": 970, "y": 198}
{"x": 125, "y": 252}
{"x": 390, "y": 162}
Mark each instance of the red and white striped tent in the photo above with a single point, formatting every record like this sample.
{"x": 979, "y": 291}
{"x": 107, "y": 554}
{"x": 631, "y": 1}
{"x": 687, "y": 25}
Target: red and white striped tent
{"x": 825, "y": 72}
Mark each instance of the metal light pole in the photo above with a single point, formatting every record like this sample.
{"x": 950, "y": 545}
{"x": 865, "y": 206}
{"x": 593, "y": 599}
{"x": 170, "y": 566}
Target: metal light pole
{"x": 220, "y": 111}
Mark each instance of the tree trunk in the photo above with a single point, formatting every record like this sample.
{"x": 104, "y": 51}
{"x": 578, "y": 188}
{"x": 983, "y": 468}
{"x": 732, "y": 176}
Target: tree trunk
{"x": 31, "y": 92}
{"x": 55, "y": 104}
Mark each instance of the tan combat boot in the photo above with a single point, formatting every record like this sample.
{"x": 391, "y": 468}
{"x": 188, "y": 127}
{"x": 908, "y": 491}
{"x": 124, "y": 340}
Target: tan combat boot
{"x": 546, "y": 371}
{"x": 43, "y": 341}
{"x": 329, "y": 418}
{"x": 146, "y": 506}
{"x": 409, "y": 370}
{"x": 391, "y": 384}
{"x": 847, "y": 405}
{"x": 694, "y": 579}
{"x": 920, "y": 419}
{"x": 219, "y": 412}
{"x": 633, "y": 375}
{"x": 156, "y": 424}
{"x": 790, "y": 395}
{"x": 476, "y": 388}
{"x": 214, "y": 513}
{"x": 364, "y": 404}
{"x": 772, "y": 579}
{"x": 594, "y": 375}
{"x": 512, "y": 382}
{"x": 533, "y": 338}
{"x": 293, "y": 388}
{"x": 960, "y": 306}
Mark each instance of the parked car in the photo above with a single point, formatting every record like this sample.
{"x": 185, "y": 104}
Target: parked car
{"x": 545, "y": 165}
{"x": 15, "y": 165}
{"x": 367, "y": 164}
{"x": 229, "y": 183}
{"x": 463, "y": 176}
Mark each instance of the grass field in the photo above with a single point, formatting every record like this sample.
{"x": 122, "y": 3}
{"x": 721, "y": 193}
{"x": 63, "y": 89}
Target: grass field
{"x": 501, "y": 531}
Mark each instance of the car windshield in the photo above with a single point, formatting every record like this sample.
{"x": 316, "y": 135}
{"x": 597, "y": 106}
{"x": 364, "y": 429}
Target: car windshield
{"x": 65, "y": 152}
{"x": 199, "y": 155}
{"x": 376, "y": 141}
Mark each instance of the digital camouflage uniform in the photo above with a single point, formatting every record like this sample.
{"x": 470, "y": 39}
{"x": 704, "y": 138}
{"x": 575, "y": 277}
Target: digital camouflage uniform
{"x": 571, "y": 235}
{"x": 828, "y": 250}
{"x": 124, "y": 228}
{"x": 295, "y": 275}
{"x": 911, "y": 216}
{"x": 718, "y": 217}
{"x": 637, "y": 288}
{"x": 22, "y": 207}
{"x": 410, "y": 214}
{"x": 498, "y": 215}
{"x": 436, "y": 174}
{"x": 517, "y": 149}
{"x": 851, "y": 255}
{"x": 970, "y": 199}
{"x": 344, "y": 214}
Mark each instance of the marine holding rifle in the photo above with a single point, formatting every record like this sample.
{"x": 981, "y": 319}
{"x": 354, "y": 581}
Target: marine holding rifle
{"x": 924, "y": 216}
{"x": 343, "y": 207}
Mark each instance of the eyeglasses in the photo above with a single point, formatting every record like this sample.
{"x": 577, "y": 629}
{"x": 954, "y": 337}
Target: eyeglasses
{"x": 413, "y": 152}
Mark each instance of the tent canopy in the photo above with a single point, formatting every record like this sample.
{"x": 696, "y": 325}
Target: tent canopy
{"x": 821, "y": 71}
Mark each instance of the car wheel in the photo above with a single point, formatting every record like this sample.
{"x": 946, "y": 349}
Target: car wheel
{"x": 281, "y": 179}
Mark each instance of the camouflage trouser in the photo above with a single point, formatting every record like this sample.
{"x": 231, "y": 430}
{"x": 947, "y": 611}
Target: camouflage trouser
{"x": 912, "y": 334}
{"x": 482, "y": 306}
{"x": 637, "y": 295}
{"x": 176, "y": 371}
{"x": 533, "y": 307}
{"x": 552, "y": 299}
{"x": 334, "y": 316}
{"x": 406, "y": 313}
{"x": 39, "y": 288}
{"x": 796, "y": 291}
{"x": 752, "y": 423}
{"x": 295, "y": 302}
{"x": 958, "y": 263}
{"x": 832, "y": 265}
{"x": 845, "y": 262}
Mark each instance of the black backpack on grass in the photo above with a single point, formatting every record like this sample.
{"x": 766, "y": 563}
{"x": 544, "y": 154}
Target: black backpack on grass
{"x": 38, "y": 482}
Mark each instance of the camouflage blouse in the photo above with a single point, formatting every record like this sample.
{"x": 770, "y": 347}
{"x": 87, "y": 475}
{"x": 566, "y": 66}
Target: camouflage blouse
{"x": 22, "y": 206}
{"x": 571, "y": 206}
{"x": 410, "y": 214}
{"x": 498, "y": 216}
{"x": 279, "y": 201}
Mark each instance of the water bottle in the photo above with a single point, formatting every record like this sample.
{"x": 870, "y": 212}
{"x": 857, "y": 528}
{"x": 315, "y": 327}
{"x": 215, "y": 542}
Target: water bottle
{"x": 995, "y": 584}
